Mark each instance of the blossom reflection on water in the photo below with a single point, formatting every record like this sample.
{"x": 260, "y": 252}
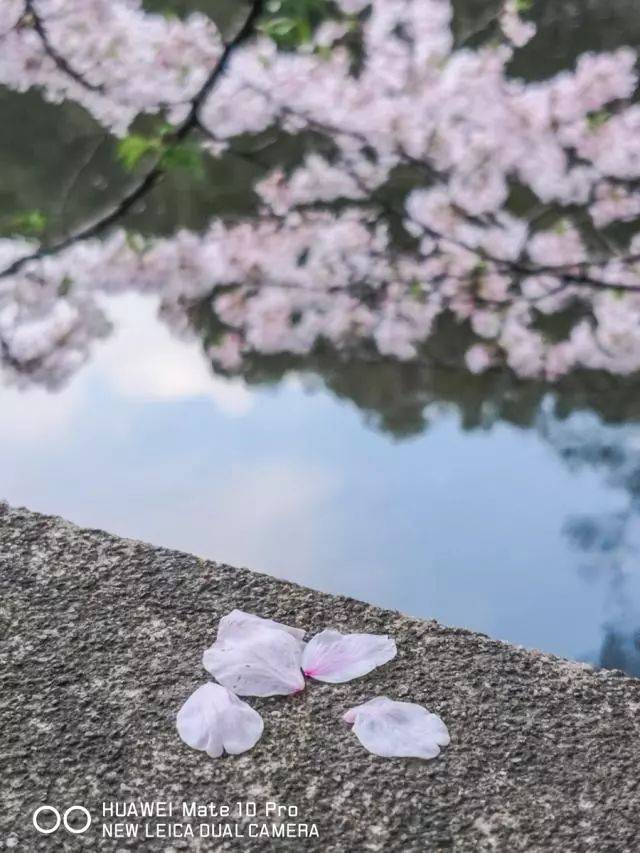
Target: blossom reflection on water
{"x": 465, "y": 525}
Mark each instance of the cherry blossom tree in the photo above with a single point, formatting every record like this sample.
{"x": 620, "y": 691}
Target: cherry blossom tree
{"x": 438, "y": 188}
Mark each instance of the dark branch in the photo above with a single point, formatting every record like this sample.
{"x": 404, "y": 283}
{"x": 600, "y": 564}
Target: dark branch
{"x": 157, "y": 171}
{"x": 61, "y": 63}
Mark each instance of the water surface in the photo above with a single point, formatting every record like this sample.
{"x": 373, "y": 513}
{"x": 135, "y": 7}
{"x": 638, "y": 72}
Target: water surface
{"x": 465, "y": 525}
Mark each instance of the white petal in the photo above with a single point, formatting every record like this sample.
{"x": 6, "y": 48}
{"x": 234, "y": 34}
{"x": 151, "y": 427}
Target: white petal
{"x": 335, "y": 657}
{"x": 238, "y": 621}
{"x": 214, "y": 720}
{"x": 257, "y": 661}
{"x": 397, "y": 729}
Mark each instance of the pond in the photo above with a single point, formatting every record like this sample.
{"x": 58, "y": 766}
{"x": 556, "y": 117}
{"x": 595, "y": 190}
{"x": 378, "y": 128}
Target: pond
{"x": 493, "y": 501}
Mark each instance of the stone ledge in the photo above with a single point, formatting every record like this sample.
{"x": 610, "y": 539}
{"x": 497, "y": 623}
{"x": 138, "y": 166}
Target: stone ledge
{"x": 102, "y": 640}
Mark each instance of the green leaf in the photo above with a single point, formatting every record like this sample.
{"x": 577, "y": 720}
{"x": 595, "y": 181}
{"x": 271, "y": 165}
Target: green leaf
{"x": 65, "y": 286}
{"x": 136, "y": 242}
{"x": 30, "y": 222}
{"x": 290, "y": 23}
{"x": 416, "y": 290}
{"x": 598, "y": 119}
{"x": 134, "y": 147}
{"x": 277, "y": 28}
{"x": 524, "y": 5}
{"x": 183, "y": 156}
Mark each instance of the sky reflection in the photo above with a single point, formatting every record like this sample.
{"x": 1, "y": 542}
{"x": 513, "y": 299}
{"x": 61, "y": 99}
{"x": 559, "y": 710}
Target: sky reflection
{"x": 463, "y": 526}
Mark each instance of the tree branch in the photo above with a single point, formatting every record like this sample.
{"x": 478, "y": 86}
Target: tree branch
{"x": 157, "y": 171}
{"x": 61, "y": 63}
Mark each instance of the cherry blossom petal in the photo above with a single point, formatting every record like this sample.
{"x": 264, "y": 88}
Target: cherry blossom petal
{"x": 397, "y": 729}
{"x": 256, "y": 661}
{"x": 237, "y": 622}
{"x": 335, "y": 657}
{"x": 214, "y": 720}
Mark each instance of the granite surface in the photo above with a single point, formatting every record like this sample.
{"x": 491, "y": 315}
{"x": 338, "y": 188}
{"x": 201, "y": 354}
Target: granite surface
{"x": 101, "y": 641}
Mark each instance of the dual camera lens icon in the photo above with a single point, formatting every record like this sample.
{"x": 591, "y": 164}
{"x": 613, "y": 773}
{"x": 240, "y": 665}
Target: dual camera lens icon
{"x": 47, "y": 820}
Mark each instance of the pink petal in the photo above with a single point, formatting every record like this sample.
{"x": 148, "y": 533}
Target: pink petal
{"x": 257, "y": 660}
{"x": 214, "y": 720}
{"x": 335, "y": 657}
{"x": 397, "y": 729}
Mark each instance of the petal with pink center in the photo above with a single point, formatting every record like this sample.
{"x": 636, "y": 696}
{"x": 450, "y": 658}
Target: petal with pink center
{"x": 256, "y": 661}
{"x": 335, "y": 657}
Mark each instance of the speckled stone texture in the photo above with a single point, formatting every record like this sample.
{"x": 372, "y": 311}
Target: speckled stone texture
{"x": 102, "y": 640}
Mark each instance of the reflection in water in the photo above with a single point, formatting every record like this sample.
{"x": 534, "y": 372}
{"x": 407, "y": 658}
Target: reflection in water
{"x": 459, "y": 516}
{"x": 609, "y": 542}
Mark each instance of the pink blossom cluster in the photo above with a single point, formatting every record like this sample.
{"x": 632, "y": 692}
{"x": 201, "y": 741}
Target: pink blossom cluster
{"x": 320, "y": 261}
{"x": 110, "y": 56}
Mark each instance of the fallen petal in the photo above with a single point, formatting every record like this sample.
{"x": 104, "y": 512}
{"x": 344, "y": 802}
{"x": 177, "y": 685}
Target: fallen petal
{"x": 214, "y": 720}
{"x": 257, "y": 661}
{"x": 397, "y": 729}
{"x": 237, "y": 621}
{"x": 335, "y": 657}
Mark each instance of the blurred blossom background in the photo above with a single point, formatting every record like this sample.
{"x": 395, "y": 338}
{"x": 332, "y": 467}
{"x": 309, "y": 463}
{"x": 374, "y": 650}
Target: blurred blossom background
{"x": 345, "y": 292}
